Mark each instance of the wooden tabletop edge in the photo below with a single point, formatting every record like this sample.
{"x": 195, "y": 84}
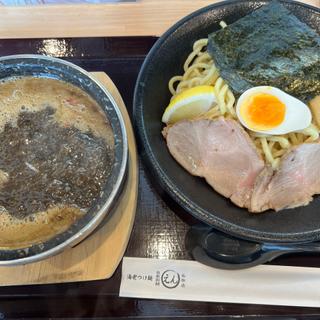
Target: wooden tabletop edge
{"x": 142, "y": 18}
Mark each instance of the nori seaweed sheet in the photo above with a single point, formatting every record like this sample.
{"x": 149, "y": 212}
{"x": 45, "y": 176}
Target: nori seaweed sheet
{"x": 269, "y": 46}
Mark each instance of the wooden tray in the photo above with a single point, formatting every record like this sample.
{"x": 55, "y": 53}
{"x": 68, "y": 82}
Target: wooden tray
{"x": 98, "y": 256}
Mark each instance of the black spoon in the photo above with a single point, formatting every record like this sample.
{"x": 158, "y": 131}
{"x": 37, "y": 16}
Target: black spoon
{"x": 219, "y": 250}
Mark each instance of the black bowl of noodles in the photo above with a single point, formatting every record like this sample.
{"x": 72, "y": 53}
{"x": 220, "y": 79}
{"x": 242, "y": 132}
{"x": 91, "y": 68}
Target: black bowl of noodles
{"x": 193, "y": 194}
{"x": 63, "y": 156}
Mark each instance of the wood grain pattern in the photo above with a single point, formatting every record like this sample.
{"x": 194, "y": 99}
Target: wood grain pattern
{"x": 146, "y": 17}
{"x": 98, "y": 256}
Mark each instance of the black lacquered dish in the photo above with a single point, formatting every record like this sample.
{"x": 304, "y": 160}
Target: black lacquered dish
{"x": 193, "y": 194}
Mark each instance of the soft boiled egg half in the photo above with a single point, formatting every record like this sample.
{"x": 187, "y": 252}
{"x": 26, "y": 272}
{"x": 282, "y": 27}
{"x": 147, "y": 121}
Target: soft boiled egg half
{"x": 269, "y": 110}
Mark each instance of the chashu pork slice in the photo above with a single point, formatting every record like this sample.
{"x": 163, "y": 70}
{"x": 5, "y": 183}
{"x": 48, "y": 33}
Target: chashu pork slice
{"x": 293, "y": 184}
{"x": 221, "y": 152}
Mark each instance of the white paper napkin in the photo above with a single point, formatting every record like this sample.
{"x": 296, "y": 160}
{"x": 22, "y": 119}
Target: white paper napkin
{"x": 190, "y": 280}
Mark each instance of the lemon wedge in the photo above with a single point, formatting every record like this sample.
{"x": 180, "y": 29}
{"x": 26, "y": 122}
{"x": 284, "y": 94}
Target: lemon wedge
{"x": 189, "y": 104}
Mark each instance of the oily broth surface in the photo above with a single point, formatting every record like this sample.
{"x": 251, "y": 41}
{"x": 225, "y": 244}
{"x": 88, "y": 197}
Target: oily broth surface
{"x": 73, "y": 106}
{"x": 56, "y": 152}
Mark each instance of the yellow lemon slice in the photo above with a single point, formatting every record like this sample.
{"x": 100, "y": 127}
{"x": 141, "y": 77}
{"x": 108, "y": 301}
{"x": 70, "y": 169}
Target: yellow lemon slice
{"x": 189, "y": 104}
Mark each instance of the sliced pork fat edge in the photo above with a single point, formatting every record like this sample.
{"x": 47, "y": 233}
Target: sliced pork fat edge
{"x": 222, "y": 152}
{"x": 219, "y": 151}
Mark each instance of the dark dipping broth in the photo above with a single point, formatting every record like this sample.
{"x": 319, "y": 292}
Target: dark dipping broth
{"x": 56, "y": 152}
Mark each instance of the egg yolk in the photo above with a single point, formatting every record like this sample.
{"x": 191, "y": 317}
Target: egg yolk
{"x": 263, "y": 112}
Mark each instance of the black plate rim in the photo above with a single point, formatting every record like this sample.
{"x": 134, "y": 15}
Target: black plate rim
{"x": 167, "y": 184}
